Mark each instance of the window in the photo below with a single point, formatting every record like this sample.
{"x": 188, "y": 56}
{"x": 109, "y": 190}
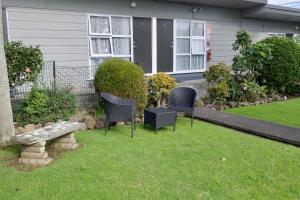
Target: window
{"x": 297, "y": 38}
{"x": 190, "y": 46}
{"x": 282, "y": 35}
{"x": 109, "y": 36}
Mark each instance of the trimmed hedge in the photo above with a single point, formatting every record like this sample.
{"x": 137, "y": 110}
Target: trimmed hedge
{"x": 283, "y": 69}
{"x": 123, "y": 79}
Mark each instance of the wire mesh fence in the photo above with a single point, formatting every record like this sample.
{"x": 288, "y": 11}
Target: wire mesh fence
{"x": 76, "y": 78}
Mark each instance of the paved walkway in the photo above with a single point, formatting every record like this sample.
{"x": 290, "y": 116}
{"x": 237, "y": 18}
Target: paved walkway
{"x": 266, "y": 129}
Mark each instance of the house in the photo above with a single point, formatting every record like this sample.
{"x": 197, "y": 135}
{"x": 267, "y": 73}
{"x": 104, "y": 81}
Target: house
{"x": 171, "y": 36}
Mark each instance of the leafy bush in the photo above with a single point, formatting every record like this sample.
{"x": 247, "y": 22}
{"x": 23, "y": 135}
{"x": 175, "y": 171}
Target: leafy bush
{"x": 219, "y": 92}
{"x": 217, "y": 72}
{"x": 42, "y": 106}
{"x": 251, "y": 91}
{"x": 122, "y": 78}
{"x": 250, "y": 57}
{"x": 245, "y": 90}
{"x": 23, "y": 63}
{"x": 159, "y": 87}
{"x": 217, "y": 77}
{"x": 284, "y": 68}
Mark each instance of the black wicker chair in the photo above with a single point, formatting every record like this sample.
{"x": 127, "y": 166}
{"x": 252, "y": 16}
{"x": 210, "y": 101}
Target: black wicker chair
{"x": 117, "y": 109}
{"x": 183, "y": 100}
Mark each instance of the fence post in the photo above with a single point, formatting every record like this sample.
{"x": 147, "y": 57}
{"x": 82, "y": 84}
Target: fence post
{"x": 54, "y": 76}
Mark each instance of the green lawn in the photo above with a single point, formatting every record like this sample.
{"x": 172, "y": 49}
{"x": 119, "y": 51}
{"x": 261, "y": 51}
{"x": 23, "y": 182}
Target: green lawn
{"x": 285, "y": 112}
{"x": 203, "y": 162}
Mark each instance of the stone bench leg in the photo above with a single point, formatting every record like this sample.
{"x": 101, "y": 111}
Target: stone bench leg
{"x": 67, "y": 142}
{"x": 35, "y": 155}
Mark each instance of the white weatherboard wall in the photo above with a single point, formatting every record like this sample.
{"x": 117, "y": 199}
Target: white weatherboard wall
{"x": 62, "y": 35}
{"x": 60, "y": 26}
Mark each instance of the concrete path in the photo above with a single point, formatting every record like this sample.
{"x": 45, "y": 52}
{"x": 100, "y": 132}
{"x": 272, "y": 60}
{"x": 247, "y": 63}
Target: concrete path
{"x": 265, "y": 129}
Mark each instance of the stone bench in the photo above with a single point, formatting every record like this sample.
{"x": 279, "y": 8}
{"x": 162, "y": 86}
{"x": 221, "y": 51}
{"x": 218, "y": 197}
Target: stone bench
{"x": 34, "y": 144}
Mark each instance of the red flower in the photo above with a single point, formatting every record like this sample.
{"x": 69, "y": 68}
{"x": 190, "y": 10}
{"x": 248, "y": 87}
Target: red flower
{"x": 27, "y": 70}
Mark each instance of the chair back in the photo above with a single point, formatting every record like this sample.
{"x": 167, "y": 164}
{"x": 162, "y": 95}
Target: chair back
{"x": 183, "y": 96}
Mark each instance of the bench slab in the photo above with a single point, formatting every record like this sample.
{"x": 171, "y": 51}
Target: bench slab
{"x": 48, "y": 133}
{"x": 34, "y": 144}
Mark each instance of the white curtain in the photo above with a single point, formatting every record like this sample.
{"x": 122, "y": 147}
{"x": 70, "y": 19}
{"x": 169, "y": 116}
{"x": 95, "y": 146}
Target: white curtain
{"x": 120, "y": 25}
{"x": 197, "y": 62}
{"x": 99, "y": 25}
{"x": 101, "y": 46}
{"x": 183, "y": 46}
{"x": 182, "y": 63}
{"x": 183, "y": 28}
{"x": 198, "y": 29}
{"x": 198, "y": 46}
{"x": 121, "y": 46}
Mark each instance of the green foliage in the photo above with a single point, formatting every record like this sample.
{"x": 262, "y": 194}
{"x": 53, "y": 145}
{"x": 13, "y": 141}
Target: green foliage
{"x": 23, "y": 63}
{"x": 206, "y": 162}
{"x": 159, "y": 86}
{"x": 243, "y": 40}
{"x": 219, "y": 91}
{"x": 217, "y": 77}
{"x": 99, "y": 111}
{"x": 42, "y": 106}
{"x": 245, "y": 90}
{"x": 251, "y": 91}
{"x": 123, "y": 79}
{"x": 284, "y": 68}
{"x": 217, "y": 72}
{"x": 250, "y": 57}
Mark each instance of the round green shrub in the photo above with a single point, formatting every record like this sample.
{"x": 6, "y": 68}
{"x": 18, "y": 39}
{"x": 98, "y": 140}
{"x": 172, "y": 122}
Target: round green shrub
{"x": 217, "y": 72}
{"x": 159, "y": 87}
{"x": 218, "y": 92}
{"x": 284, "y": 67}
{"x": 217, "y": 77}
{"x": 123, "y": 79}
{"x": 23, "y": 63}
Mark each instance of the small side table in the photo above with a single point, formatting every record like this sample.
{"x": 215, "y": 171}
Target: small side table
{"x": 160, "y": 117}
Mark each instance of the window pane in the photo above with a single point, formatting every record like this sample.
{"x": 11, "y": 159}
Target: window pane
{"x": 198, "y": 29}
{"x": 126, "y": 58}
{"x": 183, "y": 46}
{"x": 99, "y": 25}
{"x": 121, "y": 46}
{"x": 95, "y": 62}
{"x": 198, "y": 47}
{"x": 182, "y": 63}
{"x": 183, "y": 28}
{"x": 120, "y": 25}
{"x": 101, "y": 46}
{"x": 197, "y": 62}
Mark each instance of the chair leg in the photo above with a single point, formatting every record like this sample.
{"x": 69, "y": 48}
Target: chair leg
{"x": 132, "y": 127}
{"x": 174, "y": 128}
{"x": 192, "y": 120}
{"x": 135, "y": 125}
{"x": 106, "y": 127}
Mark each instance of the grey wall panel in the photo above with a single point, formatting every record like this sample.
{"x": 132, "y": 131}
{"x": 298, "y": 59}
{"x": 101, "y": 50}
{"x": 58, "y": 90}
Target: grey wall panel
{"x": 61, "y": 35}
{"x": 60, "y": 26}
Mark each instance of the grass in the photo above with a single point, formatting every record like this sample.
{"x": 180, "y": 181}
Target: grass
{"x": 285, "y": 112}
{"x": 203, "y": 162}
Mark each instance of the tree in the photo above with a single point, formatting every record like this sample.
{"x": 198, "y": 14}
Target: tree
{"x": 6, "y": 116}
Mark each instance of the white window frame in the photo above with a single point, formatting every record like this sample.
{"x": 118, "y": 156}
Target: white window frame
{"x": 277, "y": 34}
{"x": 191, "y": 38}
{"x": 110, "y": 36}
